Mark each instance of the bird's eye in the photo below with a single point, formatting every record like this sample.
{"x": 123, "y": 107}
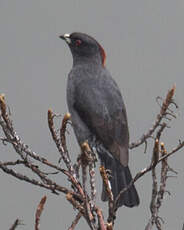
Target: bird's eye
{"x": 78, "y": 42}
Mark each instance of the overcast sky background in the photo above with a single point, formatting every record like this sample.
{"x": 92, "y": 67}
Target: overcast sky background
{"x": 144, "y": 42}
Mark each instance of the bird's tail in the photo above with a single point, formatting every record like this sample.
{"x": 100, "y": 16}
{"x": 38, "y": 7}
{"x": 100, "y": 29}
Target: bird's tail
{"x": 120, "y": 178}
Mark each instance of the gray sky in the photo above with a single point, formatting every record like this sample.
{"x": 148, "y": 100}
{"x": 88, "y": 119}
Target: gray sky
{"x": 144, "y": 42}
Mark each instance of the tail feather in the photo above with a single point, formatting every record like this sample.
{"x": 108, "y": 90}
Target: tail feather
{"x": 120, "y": 178}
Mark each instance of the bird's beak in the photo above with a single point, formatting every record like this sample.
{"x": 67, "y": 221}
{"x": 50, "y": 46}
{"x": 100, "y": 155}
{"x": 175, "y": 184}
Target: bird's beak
{"x": 66, "y": 37}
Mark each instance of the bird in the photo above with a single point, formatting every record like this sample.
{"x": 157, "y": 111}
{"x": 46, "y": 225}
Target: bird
{"x": 98, "y": 113}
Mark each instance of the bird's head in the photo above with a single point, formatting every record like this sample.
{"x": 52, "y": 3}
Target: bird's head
{"x": 84, "y": 48}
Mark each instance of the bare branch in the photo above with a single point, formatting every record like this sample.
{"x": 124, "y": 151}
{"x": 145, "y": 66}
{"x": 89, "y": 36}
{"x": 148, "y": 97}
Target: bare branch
{"x": 155, "y": 155}
{"x": 85, "y": 159}
{"x": 107, "y": 185}
{"x": 75, "y": 222}
{"x": 144, "y": 171}
{"x": 163, "y": 177}
{"x": 88, "y": 158}
{"x": 21, "y": 148}
{"x": 11, "y": 163}
{"x": 77, "y": 205}
{"x": 57, "y": 141}
{"x": 39, "y": 212}
{"x": 154, "y": 195}
{"x": 157, "y": 195}
{"x": 65, "y": 120}
{"x": 92, "y": 181}
{"x": 101, "y": 222}
{"x": 16, "y": 224}
{"x": 80, "y": 208}
{"x": 52, "y": 187}
{"x": 79, "y": 196}
{"x": 162, "y": 114}
{"x": 176, "y": 149}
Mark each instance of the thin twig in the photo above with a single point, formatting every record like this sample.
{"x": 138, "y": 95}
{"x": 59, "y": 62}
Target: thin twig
{"x": 75, "y": 222}
{"x": 39, "y": 212}
{"x": 163, "y": 177}
{"x": 65, "y": 120}
{"x": 154, "y": 195}
{"x": 15, "y": 224}
{"x": 168, "y": 100}
{"x": 78, "y": 195}
{"x": 90, "y": 159}
{"x": 21, "y": 148}
{"x": 101, "y": 223}
{"x": 146, "y": 170}
{"x": 53, "y": 187}
{"x": 77, "y": 205}
{"x": 85, "y": 159}
{"x": 11, "y": 163}
{"x": 58, "y": 142}
{"x": 106, "y": 183}
{"x": 80, "y": 208}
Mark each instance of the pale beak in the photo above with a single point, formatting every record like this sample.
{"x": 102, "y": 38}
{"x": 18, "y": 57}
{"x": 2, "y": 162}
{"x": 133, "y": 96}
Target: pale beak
{"x": 66, "y": 37}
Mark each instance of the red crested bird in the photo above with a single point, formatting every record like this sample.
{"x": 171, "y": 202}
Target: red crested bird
{"x": 98, "y": 113}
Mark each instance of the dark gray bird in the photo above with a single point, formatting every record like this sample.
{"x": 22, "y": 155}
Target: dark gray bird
{"x": 98, "y": 112}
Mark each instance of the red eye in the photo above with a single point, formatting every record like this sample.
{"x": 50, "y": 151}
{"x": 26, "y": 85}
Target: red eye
{"x": 78, "y": 42}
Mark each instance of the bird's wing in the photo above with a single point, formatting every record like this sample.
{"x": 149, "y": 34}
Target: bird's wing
{"x": 100, "y": 106}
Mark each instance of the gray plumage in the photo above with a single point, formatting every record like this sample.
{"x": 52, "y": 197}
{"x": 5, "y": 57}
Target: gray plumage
{"x": 97, "y": 110}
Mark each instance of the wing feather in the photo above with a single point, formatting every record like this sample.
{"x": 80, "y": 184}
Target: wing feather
{"x": 103, "y": 111}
